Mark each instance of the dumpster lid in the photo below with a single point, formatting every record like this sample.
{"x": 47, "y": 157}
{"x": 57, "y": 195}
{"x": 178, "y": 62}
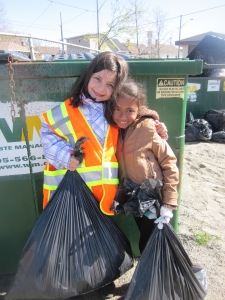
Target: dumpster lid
{"x": 17, "y": 56}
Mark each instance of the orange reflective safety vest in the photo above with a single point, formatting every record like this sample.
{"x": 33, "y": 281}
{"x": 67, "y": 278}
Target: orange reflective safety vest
{"x": 99, "y": 168}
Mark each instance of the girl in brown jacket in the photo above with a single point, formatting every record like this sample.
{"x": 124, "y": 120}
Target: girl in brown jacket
{"x": 143, "y": 154}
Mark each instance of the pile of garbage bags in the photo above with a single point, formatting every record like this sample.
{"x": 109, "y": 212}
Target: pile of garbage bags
{"x": 210, "y": 128}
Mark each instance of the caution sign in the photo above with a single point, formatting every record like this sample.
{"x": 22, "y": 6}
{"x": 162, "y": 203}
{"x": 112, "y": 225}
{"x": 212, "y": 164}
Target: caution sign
{"x": 170, "y": 88}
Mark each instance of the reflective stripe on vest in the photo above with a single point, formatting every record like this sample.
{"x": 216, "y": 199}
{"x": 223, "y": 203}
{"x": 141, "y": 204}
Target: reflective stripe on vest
{"x": 99, "y": 168}
{"x": 90, "y": 175}
{"x": 60, "y": 122}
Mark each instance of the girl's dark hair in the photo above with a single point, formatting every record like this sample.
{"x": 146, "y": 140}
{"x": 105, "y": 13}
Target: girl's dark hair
{"x": 131, "y": 89}
{"x": 103, "y": 61}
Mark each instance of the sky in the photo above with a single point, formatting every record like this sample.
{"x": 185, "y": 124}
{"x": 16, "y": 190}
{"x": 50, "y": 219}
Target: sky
{"x": 43, "y": 18}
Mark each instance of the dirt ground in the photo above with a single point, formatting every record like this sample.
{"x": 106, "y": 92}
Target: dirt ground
{"x": 202, "y": 210}
{"x": 201, "y": 215}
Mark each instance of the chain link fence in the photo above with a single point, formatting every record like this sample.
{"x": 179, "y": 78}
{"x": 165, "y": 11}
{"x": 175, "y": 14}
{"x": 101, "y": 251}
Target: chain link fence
{"x": 35, "y": 48}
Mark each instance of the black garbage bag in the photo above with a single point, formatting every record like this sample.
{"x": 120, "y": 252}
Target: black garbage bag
{"x": 73, "y": 249}
{"x": 135, "y": 199}
{"x": 164, "y": 271}
{"x": 219, "y": 137}
{"x": 207, "y": 57}
{"x": 126, "y": 198}
{"x": 189, "y": 118}
{"x": 216, "y": 118}
{"x": 198, "y": 130}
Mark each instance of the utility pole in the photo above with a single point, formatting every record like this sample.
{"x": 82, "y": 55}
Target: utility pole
{"x": 179, "y": 36}
{"x": 61, "y": 32}
{"x": 98, "y": 34}
{"x": 137, "y": 29}
{"x": 180, "y": 32}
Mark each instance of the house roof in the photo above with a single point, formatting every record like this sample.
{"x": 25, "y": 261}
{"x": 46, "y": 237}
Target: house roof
{"x": 48, "y": 50}
{"x": 111, "y": 43}
{"x": 168, "y": 49}
{"x": 120, "y": 46}
{"x": 135, "y": 50}
{"x": 82, "y": 36}
{"x": 13, "y": 47}
{"x": 92, "y": 35}
{"x": 193, "y": 40}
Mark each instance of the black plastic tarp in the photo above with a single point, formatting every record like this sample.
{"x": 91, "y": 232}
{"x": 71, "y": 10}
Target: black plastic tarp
{"x": 214, "y": 45}
{"x": 211, "y": 49}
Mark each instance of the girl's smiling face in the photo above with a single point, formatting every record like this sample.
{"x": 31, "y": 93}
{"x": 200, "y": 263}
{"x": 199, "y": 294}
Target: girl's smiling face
{"x": 125, "y": 111}
{"x": 101, "y": 85}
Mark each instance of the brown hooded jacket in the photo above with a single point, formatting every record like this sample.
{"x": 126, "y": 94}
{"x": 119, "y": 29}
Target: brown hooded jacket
{"x": 142, "y": 154}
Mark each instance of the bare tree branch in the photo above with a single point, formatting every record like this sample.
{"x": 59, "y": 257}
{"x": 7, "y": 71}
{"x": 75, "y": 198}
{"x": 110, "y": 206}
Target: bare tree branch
{"x": 161, "y": 33}
{"x": 3, "y": 19}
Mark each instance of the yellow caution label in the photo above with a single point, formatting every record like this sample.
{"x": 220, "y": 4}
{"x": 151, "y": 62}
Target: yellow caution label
{"x": 170, "y": 88}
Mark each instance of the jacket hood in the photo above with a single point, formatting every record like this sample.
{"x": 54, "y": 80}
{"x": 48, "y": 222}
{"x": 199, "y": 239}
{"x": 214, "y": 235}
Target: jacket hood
{"x": 146, "y": 112}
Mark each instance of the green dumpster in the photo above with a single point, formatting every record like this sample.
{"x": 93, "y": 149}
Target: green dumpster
{"x": 39, "y": 86}
{"x": 206, "y": 93}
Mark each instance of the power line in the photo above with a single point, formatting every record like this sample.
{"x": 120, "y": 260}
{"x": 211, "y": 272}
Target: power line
{"x": 39, "y": 26}
{"x": 46, "y": 28}
{"x": 86, "y": 10}
{"x": 37, "y": 18}
{"x": 30, "y": 25}
{"x": 203, "y": 10}
{"x": 71, "y": 6}
{"x": 26, "y": 24}
{"x": 75, "y": 17}
{"x": 102, "y": 5}
{"x": 196, "y": 12}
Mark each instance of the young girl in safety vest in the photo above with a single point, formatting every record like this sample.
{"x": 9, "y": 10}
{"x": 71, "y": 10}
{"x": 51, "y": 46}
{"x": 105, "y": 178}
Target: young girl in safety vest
{"x": 84, "y": 115}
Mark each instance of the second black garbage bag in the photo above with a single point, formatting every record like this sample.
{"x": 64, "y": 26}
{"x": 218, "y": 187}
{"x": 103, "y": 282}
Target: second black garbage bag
{"x": 165, "y": 272}
{"x": 73, "y": 249}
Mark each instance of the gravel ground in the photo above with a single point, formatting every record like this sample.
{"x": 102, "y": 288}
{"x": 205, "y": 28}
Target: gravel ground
{"x": 201, "y": 212}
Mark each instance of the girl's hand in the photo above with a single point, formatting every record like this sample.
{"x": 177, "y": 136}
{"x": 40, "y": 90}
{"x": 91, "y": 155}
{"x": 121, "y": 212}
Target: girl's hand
{"x": 161, "y": 129}
{"x": 165, "y": 215}
{"x": 73, "y": 163}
